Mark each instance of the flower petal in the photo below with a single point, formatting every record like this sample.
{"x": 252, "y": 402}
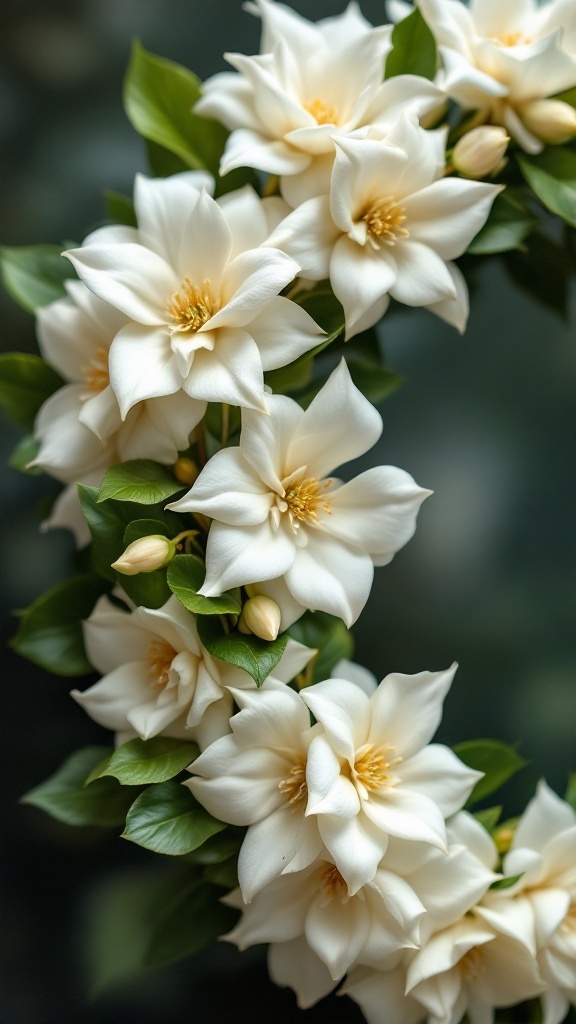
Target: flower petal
{"x": 422, "y": 276}
{"x": 361, "y": 278}
{"x": 407, "y": 709}
{"x": 130, "y": 277}
{"x": 283, "y": 331}
{"x": 236, "y": 556}
{"x": 244, "y": 502}
{"x": 230, "y": 373}
{"x": 142, "y": 365}
{"x": 448, "y": 214}
{"x": 271, "y": 845}
{"x": 265, "y": 440}
{"x": 250, "y": 281}
{"x": 163, "y": 206}
{"x": 436, "y": 772}
{"x": 331, "y": 576}
{"x": 356, "y": 845}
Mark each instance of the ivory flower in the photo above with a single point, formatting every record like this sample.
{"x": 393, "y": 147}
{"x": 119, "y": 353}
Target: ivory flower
{"x": 502, "y": 56}
{"x": 278, "y": 515}
{"x": 157, "y": 676}
{"x": 199, "y": 292}
{"x": 390, "y": 227}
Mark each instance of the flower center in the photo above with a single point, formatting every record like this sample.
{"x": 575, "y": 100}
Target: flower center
{"x": 333, "y": 885}
{"x": 321, "y": 111}
{"x": 302, "y": 501}
{"x": 384, "y": 220}
{"x": 294, "y": 787}
{"x": 191, "y": 307}
{"x": 472, "y": 963}
{"x": 511, "y": 39}
{"x": 569, "y": 923}
{"x": 160, "y": 657}
{"x": 372, "y": 766}
{"x": 96, "y": 374}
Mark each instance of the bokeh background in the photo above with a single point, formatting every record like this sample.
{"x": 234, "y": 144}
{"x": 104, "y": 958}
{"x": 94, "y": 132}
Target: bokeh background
{"x": 487, "y": 421}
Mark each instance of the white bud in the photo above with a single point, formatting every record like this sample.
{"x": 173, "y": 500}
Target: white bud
{"x": 261, "y": 616}
{"x": 481, "y": 151}
{"x": 549, "y": 120}
{"x": 145, "y": 555}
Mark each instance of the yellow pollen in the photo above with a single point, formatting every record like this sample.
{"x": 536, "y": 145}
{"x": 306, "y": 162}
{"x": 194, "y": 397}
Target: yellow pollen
{"x": 569, "y": 922}
{"x": 384, "y": 222}
{"x": 333, "y": 885}
{"x": 373, "y": 764}
{"x": 511, "y": 39}
{"x": 191, "y": 307}
{"x": 321, "y": 111}
{"x": 96, "y": 374}
{"x": 304, "y": 500}
{"x": 160, "y": 657}
{"x": 294, "y": 787}
{"x": 472, "y": 963}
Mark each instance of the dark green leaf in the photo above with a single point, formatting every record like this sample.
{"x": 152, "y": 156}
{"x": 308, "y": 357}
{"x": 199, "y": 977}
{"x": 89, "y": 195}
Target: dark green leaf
{"x": 489, "y": 817}
{"x": 413, "y": 49}
{"x": 167, "y": 819}
{"x": 141, "y": 481}
{"x": 542, "y": 271}
{"x": 26, "y": 381}
{"x": 567, "y": 97}
{"x": 139, "y": 528}
{"x": 497, "y": 760}
{"x": 290, "y": 378}
{"x": 120, "y": 208}
{"x": 65, "y": 797}
{"x": 185, "y": 577}
{"x": 162, "y": 162}
{"x": 506, "y": 883}
{"x": 323, "y": 306}
{"x": 330, "y": 638}
{"x": 24, "y": 453}
{"x": 570, "y": 796}
{"x": 375, "y": 382}
{"x": 219, "y": 847}
{"x": 194, "y": 919}
{"x": 141, "y": 762}
{"x": 34, "y": 275}
{"x": 50, "y": 630}
{"x": 224, "y": 875}
{"x": 255, "y": 656}
{"x": 552, "y": 177}
{"x": 509, "y": 224}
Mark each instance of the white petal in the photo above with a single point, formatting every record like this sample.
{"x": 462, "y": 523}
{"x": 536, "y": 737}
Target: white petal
{"x": 422, "y": 276}
{"x": 437, "y": 773}
{"x": 163, "y": 206}
{"x": 231, "y": 373}
{"x": 251, "y": 280}
{"x": 356, "y": 845}
{"x": 344, "y": 711}
{"x": 294, "y": 964}
{"x": 283, "y": 331}
{"x": 206, "y": 244}
{"x": 113, "y": 637}
{"x": 545, "y": 816}
{"x": 448, "y": 214}
{"x": 110, "y": 701}
{"x": 245, "y": 216}
{"x": 331, "y": 576}
{"x": 407, "y": 709}
{"x": 406, "y": 814}
{"x": 337, "y": 932}
{"x": 236, "y": 556}
{"x": 265, "y": 440}
{"x": 159, "y": 428}
{"x": 247, "y": 148}
{"x": 142, "y": 365}
{"x": 130, "y": 277}
{"x": 271, "y": 845}
{"x": 361, "y": 278}
{"x": 373, "y": 990}
{"x": 244, "y": 502}
{"x": 454, "y": 311}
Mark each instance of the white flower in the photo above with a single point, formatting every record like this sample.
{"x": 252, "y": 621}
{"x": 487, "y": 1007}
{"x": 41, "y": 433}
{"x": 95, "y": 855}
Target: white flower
{"x": 390, "y": 227}
{"x": 157, "y": 676}
{"x": 540, "y": 908}
{"x": 372, "y": 774}
{"x": 310, "y": 84}
{"x": 199, "y": 292}
{"x": 277, "y": 514}
{"x": 500, "y": 56}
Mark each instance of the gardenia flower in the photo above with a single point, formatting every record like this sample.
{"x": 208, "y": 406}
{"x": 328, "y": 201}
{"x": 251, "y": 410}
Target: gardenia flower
{"x": 277, "y": 514}
{"x": 502, "y": 58}
{"x": 390, "y": 227}
{"x": 540, "y": 908}
{"x": 310, "y": 84}
{"x": 199, "y": 292}
{"x": 157, "y": 676}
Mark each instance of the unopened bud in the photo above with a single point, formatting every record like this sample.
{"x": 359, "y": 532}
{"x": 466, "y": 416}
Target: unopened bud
{"x": 549, "y": 120}
{"x": 145, "y": 555}
{"x": 185, "y": 471}
{"x": 481, "y": 151}
{"x": 261, "y": 616}
{"x": 504, "y": 836}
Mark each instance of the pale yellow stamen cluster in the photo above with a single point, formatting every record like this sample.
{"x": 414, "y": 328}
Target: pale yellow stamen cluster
{"x": 321, "y": 111}
{"x": 160, "y": 657}
{"x": 96, "y": 374}
{"x": 302, "y": 501}
{"x": 333, "y": 885}
{"x": 373, "y": 764}
{"x": 294, "y": 787}
{"x": 569, "y": 923}
{"x": 384, "y": 222}
{"x": 472, "y": 963}
{"x": 511, "y": 39}
{"x": 191, "y": 307}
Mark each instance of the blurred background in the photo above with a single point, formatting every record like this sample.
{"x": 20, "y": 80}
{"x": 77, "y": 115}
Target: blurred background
{"x": 486, "y": 421}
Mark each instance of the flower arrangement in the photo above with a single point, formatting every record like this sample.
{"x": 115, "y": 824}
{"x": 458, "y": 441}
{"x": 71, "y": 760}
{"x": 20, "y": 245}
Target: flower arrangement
{"x": 208, "y": 361}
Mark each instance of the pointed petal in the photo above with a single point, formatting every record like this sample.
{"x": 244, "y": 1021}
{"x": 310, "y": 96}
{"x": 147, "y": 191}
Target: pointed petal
{"x": 265, "y": 440}
{"x": 236, "y": 556}
{"x": 331, "y": 576}
{"x": 244, "y": 502}
{"x": 422, "y": 276}
{"x": 407, "y": 709}
{"x": 142, "y": 365}
{"x": 231, "y": 372}
{"x": 163, "y": 206}
{"x": 436, "y": 772}
{"x": 361, "y": 278}
{"x": 284, "y": 331}
{"x": 130, "y": 277}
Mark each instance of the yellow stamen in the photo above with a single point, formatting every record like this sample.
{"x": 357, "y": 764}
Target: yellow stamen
{"x": 294, "y": 787}
{"x": 191, "y": 307}
{"x": 511, "y": 39}
{"x": 333, "y": 885}
{"x": 96, "y": 374}
{"x": 321, "y": 111}
{"x": 160, "y": 657}
{"x": 372, "y": 766}
{"x": 303, "y": 500}
{"x": 384, "y": 220}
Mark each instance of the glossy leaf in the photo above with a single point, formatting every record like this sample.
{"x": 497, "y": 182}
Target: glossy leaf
{"x": 65, "y": 797}
{"x": 255, "y": 656}
{"x": 497, "y": 760}
{"x": 330, "y": 638}
{"x": 120, "y": 208}
{"x": 507, "y": 882}
{"x": 489, "y": 817}
{"x": 192, "y": 920}
{"x": 141, "y": 481}
{"x": 509, "y": 224}
{"x": 167, "y": 819}
{"x": 26, "y": 381}
{"x": 185, "y": 577}
{"x": 413, "y": 49}
{"x": 375, "y": 382}
{"x": 552, "y": 177}
{"x": 142, "y": 762}
{"x": 34, "y": 275}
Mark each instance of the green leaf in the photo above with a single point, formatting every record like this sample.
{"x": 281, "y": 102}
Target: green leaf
{"x": 34, "y": 275}
{"x": 139, "y": 528}
{"x": 255, "y": 656}
{"x": 489, "y": 817}
{"x": 50, "y": 630}
{"x": 330, "y": 638}
{"x": 120, "y": 208}
{"x": 140, "y": 762}
{"x": 290, "y": 378}
{"x": 167, "y": 819}
{"x": 413, "y": 49}
{"x": 497, "y": 760}
{"x": 24, "y": 453}
{"x": 224, "y": 875}
{"x": 194, "y": 919}
{"x": 375, "y": 382}
{"x": 509, "y": 224}
{"x": 63, "y": 796}
{"x": 185, "y": 577}
{"x": 323, "y": 306}
{"x": 507, "y": 882}
{"x": 141, "y": 481}
{"x": 570, "y": 795}
{"x": 26, "y": 381}
{"x": 552, "y": 177}
{"x": 543, "y": 272}
{"x": 569, "y": 96}
{"x": 219, "y": 847}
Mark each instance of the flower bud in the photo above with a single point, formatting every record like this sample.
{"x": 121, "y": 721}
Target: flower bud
{"x": 261, "y": 616}
{"x": 481, "y": 151}
{"x": 145, "y": 555}
{"x": 549, "y": 120}
{"x": 185, "y": 471}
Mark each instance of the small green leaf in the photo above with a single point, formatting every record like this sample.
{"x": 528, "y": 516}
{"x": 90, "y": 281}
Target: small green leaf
{"x": 167, "y": 819}
{"x": 290, "y": 378}
{"x": 489, "y": 817}
{"x": 330, "y": 638}
{"x": 34, "y": 275}
{"x": 508, "y": 225}
{"x": 497, "y": 760}
{"x": 140, "y": 762}
{"x": 50, "y": 630}
{"x": 569, "y": 96}
{"x": 219, "y": 847}
{"x": 141, "y": 481}
{"x": 26, "y": 381}
{"x": 24, "y": 453}
{"x": 255, "y": 656}
{"x": 413, "y": 49}
{"x": 120, "y": 208}
{"x": 506, "y": 883}
{"x": 192, "y": 920}
{"x": 185, "y": 577}
{"x": 63, "y": 796}
{"x": 375, "y": 382}
{"x": 323, "y": 306}
{"x": 552, "y": 177}
{"x": 570, "y": 796}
